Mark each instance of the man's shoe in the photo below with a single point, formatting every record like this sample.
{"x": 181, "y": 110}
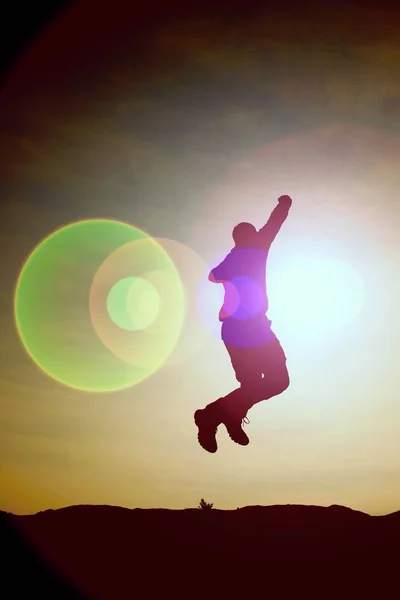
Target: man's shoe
{"x": 233, "y": 426}
{"x": 207, "y": 421}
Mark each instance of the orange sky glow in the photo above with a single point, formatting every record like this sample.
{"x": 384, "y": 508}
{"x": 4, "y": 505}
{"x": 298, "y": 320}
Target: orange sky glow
{"x": 207, "y": 129}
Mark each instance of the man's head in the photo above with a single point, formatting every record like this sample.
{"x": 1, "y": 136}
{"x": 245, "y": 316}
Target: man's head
{"x": 244, "y": 235}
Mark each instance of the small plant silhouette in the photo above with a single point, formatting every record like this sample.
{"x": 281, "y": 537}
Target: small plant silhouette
{"x": 203, "y": 505}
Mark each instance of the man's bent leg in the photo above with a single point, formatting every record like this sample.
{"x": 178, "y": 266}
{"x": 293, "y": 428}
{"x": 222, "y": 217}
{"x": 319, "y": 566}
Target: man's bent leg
{"x": 270, "y": 360}
{"x": 219, "y": 411}
{"x": 233, "y": 410}
{"x": 274, "y": 367}
{"x": 249, "y": 364}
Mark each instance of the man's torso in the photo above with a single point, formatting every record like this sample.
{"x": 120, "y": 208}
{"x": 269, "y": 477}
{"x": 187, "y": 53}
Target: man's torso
{"x": 243, "y": 275}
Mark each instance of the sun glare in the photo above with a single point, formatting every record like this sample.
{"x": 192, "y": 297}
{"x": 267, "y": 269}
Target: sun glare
{"x": 314, "y": 296}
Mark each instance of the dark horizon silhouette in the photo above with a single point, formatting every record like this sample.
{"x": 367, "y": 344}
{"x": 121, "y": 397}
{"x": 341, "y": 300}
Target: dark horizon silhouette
{"x": 101, "y": 552}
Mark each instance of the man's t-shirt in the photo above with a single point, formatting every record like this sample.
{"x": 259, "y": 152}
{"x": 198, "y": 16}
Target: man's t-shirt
{"x": 243, "y": 275}
{"x": 243, "y": 272}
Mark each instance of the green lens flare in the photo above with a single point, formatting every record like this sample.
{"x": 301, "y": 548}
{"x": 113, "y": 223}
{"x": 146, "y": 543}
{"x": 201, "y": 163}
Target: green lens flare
{"x": 54, "y": 298}
{"x": 143, "y": 303}
{"x": 155, "y": 303}
{"x": 133, "y": 303}
{"x": 117, "y": 304}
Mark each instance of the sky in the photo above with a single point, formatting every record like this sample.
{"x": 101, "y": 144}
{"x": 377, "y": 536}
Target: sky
{"x": 183, "y": 125}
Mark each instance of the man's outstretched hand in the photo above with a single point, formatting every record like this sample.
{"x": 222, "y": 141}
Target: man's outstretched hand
{"x": 285, "y": 200}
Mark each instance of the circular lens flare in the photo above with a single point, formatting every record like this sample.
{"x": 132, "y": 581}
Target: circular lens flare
{"x": 117, "y": 305}
{"x": 53, "y": 315}
{"x": 154, "y": 303}
{"x": 143, "y": 303}
{"x": 193, "y": 332}
{"x": 133, "y": 303}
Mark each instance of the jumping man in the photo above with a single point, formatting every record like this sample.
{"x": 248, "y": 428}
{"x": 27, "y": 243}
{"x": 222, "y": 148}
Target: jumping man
{"x": 256, "y": 355}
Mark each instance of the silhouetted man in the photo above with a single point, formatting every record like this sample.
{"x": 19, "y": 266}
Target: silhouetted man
{"x": 257, "y": 357}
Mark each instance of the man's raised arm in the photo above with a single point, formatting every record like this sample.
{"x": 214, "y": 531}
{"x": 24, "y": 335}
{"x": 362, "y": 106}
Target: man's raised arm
{"x": 278, "y": 216}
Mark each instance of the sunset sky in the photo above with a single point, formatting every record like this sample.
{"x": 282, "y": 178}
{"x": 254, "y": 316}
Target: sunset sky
{"x": 183, "y": 127}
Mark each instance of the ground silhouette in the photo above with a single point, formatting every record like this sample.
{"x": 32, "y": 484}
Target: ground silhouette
{"x": 106, "y": 552}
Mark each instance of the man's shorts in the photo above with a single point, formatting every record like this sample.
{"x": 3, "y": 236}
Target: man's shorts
{"x": 254, "y": 349}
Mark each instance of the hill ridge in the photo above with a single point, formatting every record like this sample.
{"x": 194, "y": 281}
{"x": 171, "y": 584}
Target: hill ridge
{"x": 101, "y": 550}
{"x": 260, "y": 507}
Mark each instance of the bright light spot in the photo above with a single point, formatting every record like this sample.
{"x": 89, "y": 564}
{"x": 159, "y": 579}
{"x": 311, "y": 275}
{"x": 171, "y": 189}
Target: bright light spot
{"x": 313, "y": 297}
{"x": 133, "y": 303}
{"x": 143, "y": 303}
{"x": 117, "y": 306}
